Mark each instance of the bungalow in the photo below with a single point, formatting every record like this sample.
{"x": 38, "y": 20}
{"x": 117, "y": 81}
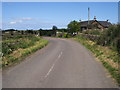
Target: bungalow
{"x": 94, "y": 24}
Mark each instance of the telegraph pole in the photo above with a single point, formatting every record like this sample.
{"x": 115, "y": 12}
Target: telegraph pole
{"x": 88, "y": 17}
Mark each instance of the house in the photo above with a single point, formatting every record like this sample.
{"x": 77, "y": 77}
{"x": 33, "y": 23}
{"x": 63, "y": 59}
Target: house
{"x": 94, "y": 24}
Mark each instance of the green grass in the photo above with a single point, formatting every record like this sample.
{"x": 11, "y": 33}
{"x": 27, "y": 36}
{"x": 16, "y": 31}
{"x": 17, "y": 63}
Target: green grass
{"x": 26, "y": 45}
{"x": 92, "y": 32}
{"x": 113, "y": 71}
{"x": 16, "y": 42}
{"x": 103, "y": 54}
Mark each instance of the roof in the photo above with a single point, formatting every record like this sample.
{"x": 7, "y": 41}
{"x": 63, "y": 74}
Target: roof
{"x": 103, "y": 23}
{"x": 85, "y": 23}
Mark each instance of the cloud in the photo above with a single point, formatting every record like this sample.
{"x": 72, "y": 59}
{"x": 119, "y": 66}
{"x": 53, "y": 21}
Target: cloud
{"x": 13, "y": 22}
{"x": 27, "y": 18}
{"x": 20, "y": 20}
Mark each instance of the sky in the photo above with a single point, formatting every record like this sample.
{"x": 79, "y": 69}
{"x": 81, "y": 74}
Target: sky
{"x": 36, "y": 15}
{"x": 119, "y": 12}
{"x": 60, "y": 0}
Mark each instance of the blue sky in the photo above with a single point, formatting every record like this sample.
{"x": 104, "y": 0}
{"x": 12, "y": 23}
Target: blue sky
{"x": 36, "y": 15}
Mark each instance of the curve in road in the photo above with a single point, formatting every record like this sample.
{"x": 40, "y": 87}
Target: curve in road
{"x": 62, "y": 64}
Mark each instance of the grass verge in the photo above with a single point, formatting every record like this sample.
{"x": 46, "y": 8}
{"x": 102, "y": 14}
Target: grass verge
{"x": 108, "y": 57}
{"x": 20, "y": 53}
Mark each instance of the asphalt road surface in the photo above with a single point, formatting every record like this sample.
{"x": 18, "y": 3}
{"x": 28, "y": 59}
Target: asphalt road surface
{"x": 61, "y": 64}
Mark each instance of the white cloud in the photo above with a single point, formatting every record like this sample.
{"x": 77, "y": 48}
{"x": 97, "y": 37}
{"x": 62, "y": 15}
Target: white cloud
{"x": 28, "y": 18}
{"x": 13, "y": 22}
{"x": 20, "y": 20}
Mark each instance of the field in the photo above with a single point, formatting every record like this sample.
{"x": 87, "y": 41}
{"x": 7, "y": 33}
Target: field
{"x": 16, "y": 48}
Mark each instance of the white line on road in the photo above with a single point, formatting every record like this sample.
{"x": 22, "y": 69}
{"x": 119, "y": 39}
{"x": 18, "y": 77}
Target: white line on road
{"x": 53, "y": 65}
{"x": 59, "y": 55}
{"x": 49, "y": 71}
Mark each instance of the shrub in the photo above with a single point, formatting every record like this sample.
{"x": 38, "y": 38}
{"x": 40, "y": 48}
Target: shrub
{"x": 118, "y": 45}
{"x": 23, "y": 49}
{"x": 20, "y": 41}
{"x": 111, "y": 37}
{"x": 92, "y": 32}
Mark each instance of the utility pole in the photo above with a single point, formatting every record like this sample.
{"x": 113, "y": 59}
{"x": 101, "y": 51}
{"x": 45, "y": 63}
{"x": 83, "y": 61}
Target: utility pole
{"x": 88, "y": 17}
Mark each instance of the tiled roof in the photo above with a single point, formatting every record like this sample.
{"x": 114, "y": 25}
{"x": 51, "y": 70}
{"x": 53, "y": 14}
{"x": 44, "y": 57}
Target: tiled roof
{"x": 103, "y": 23}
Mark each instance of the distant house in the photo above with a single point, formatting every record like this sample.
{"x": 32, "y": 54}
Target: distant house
{"x": 94, "y": 24}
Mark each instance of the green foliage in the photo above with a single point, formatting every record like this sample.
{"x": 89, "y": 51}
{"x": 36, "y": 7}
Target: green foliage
{"x": 63, "y": 35}
{"x": 100, "y": 53}
{"x": 118, "y": 45}
{"x": 113, "y": 71}
{"x": 30, "y": 31}
{"x": 62, "y": 30}
{"x": 46, "y": 33}
{"x": 73, "y": 27}
{"x": 92, "y": 32}
{"x": 26, "y": 46}
{"x": 111, "y": 37}
{"x": 40, "y": 32}
{"x": 54, "y": 28}
{"x": 18, "y": 42}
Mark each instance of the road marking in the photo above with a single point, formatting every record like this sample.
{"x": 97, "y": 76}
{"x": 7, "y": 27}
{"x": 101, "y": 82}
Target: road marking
{"x": 53, "y": 65}
{"x": 49, "y": 71}
{"x": 59, "y": 55}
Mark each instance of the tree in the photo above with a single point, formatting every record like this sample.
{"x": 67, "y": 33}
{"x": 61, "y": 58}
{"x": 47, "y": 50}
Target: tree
{"x": 11, "y": 31}
{"x": 73, "y": 27}
{"x": 54, "y": 28}
{"x": 40, "y": 32}
{"x": 22, "y": 32}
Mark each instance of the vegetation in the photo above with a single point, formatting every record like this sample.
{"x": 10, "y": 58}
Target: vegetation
{"x": 111, "y": 37}
{"x": 63, "y": 35}
{"x": 46, "y": 32}
{"x": 18, "y": 47}
{"x": 108, "y": 57}
{"x": 54, "y": 28}
{"x": 73, "y": 27}
{"x": 105, "y": 44}
{"x": 93, "y": 32}
{"x": 17, "y": 42}
{"x": 108, "y": 37}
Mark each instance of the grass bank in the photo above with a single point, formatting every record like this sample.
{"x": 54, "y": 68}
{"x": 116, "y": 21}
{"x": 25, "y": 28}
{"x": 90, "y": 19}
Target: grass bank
{"x": 108, "y": 57}
{"x": 17, "y": 48}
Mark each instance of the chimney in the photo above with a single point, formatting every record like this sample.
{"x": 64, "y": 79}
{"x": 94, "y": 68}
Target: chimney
{"x": 107, "y": 20}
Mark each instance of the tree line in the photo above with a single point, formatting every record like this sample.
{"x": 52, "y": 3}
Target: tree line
{"x": 72, "y": 28}
{"x": 109, "y": 37}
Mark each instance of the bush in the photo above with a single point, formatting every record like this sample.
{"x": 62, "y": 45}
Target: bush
{"x": 118, "y": 45}
{"x": 92, "y": 32}
{"x": 22, "y": 50}
{"x": 111, "y": 37}
{"x": 104, "y": 55}
{"x": 16, "y": 42}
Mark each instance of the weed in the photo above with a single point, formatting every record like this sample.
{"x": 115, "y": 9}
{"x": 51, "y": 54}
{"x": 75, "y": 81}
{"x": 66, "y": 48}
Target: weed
{"x": 104, "y": 54}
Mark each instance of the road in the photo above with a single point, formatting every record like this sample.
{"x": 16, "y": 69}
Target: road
{"x": 62, "y": 63}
